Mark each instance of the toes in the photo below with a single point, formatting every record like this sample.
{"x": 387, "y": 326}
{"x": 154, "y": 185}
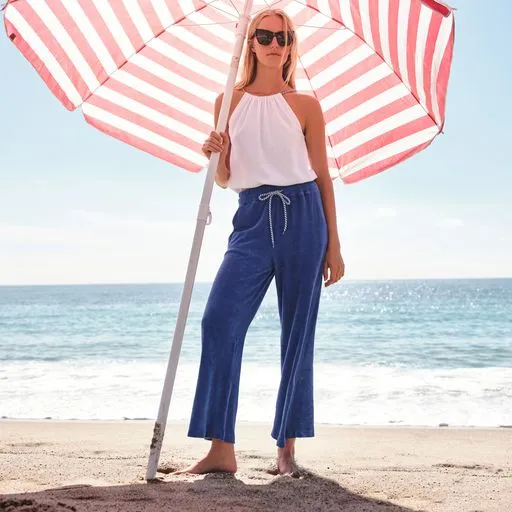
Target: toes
{"x": 181, "y": 471}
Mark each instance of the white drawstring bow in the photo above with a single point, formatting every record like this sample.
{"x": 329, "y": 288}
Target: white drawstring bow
{"x": 285, "y": 200}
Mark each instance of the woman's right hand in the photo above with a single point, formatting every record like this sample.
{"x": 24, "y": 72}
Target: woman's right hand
{"x": 217, "y": 142}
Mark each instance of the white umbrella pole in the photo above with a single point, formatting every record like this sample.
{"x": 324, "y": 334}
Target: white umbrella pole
{"x": 202, "y": 220}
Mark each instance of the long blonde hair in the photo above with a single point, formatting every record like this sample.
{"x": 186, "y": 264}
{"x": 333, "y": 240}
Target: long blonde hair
{"x": 250, "y": 62}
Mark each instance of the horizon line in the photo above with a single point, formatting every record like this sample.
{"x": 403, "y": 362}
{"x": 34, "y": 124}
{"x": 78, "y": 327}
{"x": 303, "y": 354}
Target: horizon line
{"x": 19, "y": 285}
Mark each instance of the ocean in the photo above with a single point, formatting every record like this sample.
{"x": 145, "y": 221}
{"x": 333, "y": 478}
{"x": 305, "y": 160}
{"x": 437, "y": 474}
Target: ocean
{"x": 386, "y": 353}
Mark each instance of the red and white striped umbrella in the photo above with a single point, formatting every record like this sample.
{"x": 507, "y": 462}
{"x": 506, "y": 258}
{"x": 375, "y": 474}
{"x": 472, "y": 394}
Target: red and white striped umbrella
{"x": 147, "y": 71}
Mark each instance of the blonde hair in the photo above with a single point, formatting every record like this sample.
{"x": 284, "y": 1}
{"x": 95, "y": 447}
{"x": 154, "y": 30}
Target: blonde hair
{"x": 250, "y": 62}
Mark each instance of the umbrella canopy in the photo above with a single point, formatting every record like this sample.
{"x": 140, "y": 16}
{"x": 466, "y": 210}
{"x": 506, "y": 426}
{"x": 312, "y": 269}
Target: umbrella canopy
{"x": 148, "y": 71}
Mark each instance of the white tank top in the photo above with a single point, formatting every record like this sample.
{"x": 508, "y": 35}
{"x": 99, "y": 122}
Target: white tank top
{"x": 267, "y": 144}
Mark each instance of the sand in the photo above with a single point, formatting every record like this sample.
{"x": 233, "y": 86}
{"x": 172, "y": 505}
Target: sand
{"x": 100, "y": 466}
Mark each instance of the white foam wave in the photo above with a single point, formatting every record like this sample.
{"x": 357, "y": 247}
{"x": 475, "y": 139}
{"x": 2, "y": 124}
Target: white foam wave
{"x": 365, "y": 395}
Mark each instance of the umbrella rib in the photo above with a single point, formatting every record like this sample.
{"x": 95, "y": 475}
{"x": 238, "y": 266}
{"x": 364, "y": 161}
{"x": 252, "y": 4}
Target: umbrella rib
{"x": 155, "y": 36}
{"x": 323, "y": 28}
{"x": 207, "y": 24}
{"x": 234, "y": 7}
{"x": 376, "y": 52}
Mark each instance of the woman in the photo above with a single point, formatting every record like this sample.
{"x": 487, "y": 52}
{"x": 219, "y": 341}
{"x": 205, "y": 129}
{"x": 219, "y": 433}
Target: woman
{"x": 273, "y": 132}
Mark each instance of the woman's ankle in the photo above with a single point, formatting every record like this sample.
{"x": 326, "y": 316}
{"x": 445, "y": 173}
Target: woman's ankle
{"x": 222, "y": 447}
{"x": 288, "y": 450}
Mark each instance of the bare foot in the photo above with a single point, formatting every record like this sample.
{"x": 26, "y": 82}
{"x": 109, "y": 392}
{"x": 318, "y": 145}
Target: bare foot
{"x": 220, "y": 458}
{"x": 210, "y": 464}
{"x": 286, "y": 464}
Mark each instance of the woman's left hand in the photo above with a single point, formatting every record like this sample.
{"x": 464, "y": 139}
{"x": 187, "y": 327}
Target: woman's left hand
{"x": 334, "y": 267}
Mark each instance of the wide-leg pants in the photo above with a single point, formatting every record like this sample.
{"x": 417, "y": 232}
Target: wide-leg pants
{"x": 278, "y": 232}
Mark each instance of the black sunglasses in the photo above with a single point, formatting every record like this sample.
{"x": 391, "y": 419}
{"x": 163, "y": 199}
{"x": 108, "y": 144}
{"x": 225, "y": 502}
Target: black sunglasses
{"x": 265, "y": 37}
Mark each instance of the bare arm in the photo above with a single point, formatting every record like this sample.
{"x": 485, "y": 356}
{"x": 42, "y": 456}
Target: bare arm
{"x": 334, "y": 267}
{"x": 315, "y": 141}
{"x": 223, "y": 171}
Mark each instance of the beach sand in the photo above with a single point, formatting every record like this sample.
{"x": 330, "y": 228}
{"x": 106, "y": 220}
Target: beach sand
{"x": 100, "y": 466}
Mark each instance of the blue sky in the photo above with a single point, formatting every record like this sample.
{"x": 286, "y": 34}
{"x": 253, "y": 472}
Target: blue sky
{"x": 77, "y": 206}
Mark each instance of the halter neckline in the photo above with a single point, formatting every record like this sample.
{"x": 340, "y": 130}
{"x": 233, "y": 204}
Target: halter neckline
{"x": 283, "y": 91}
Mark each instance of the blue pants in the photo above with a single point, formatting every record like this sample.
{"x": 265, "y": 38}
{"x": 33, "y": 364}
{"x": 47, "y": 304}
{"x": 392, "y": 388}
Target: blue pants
{"x": 278, "y": 232}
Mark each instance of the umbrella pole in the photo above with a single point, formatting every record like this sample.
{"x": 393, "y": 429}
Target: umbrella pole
{"x": 202, "y": 220}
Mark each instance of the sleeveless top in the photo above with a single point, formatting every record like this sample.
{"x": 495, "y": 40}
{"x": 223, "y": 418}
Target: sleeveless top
{"x": 267, "y": 144}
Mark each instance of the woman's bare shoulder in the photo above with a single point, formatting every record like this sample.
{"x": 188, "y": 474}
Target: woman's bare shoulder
{"x": 305, "y": 104}
{"x": 306, "y": 99}
{"x": 235, "y": 99}
{"x": 237, "y": 94}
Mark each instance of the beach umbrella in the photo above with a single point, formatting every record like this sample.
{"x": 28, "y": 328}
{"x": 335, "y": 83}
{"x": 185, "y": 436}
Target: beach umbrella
{"x": 147, "y": 72}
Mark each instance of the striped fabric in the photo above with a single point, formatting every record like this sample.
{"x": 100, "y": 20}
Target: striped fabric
{"x": 148, "y": 71}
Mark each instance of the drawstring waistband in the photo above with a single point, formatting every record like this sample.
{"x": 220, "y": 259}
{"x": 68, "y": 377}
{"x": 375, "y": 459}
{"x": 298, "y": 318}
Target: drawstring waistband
{"x": 285, "y": 200}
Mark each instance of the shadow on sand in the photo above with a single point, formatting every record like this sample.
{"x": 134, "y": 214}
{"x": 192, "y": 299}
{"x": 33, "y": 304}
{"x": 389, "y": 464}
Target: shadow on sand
{"x": 213, "y": 492}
